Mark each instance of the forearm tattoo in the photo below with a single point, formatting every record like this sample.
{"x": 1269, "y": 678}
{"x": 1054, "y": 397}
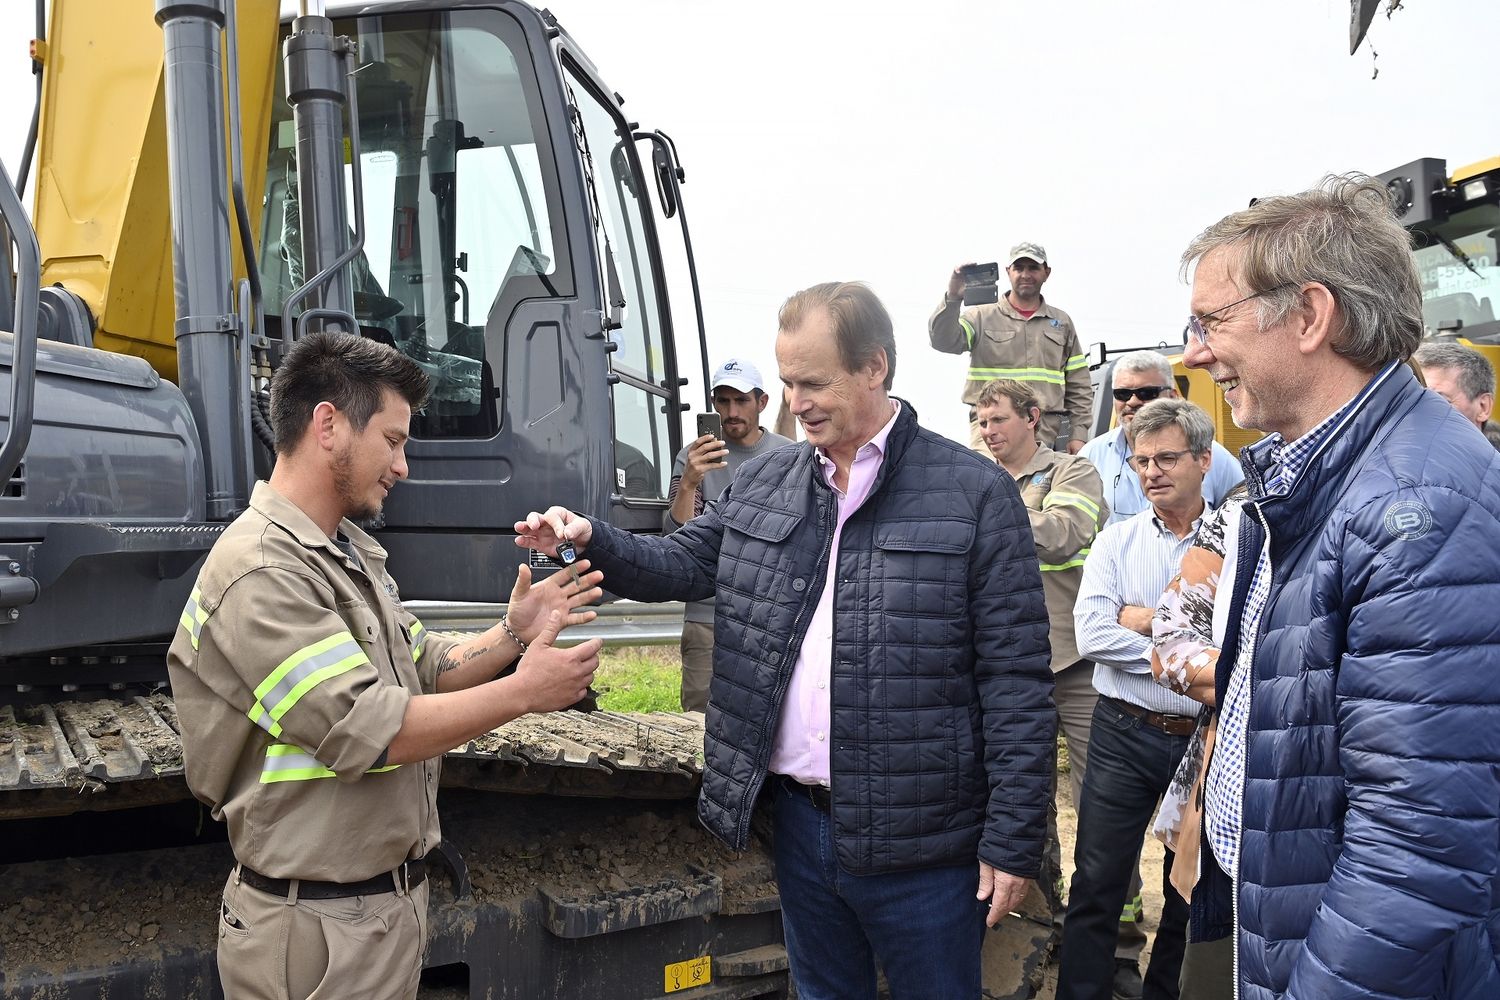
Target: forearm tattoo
{"x": 450, "y": 662}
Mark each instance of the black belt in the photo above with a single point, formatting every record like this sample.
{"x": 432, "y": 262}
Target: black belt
{"x": 816, "y": 794}
{"x": 1172, "y": 725}
{"x": 410, "y": 875}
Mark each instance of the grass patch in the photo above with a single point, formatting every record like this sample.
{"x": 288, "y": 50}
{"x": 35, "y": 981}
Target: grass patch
{"x": 640, "y": 679}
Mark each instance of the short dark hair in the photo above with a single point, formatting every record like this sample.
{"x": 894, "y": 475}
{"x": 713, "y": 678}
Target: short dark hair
{"x": 860, "y": 322}
{"x": 348, "y": 371}
{"x": 1476, "y": 376}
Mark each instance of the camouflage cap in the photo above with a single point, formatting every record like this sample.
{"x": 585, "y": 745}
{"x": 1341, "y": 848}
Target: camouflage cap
{"x": 1033, "y": 251}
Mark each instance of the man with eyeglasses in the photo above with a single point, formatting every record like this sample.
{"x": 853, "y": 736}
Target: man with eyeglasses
{"x": 1139, "y": 377}
{"x": 1352, "y": 801}
{"x": 1021, "y": 337}
{"x": 1140, "y": 729}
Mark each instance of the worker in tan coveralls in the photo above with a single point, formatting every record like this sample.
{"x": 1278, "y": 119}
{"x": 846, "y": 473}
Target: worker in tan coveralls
{"x": 1021, "y": 337}
{"x": 1064, "y": 498}
{"x": 315, "y": 708}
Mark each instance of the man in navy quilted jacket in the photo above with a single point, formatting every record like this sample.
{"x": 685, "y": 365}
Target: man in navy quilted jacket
{"x": 881, "y": 667}
{"x": 1352, "y": 802}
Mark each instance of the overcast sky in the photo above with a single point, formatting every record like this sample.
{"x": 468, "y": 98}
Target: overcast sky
{"x": 843, "y": 140}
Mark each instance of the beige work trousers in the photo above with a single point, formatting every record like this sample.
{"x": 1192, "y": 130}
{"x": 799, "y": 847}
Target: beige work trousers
{"x": 697, "y": 665}
{"x": 359, "y": 948}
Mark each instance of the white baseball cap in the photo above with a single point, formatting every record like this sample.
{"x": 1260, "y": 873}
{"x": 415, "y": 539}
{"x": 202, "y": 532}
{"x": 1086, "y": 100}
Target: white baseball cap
{"x": 740, "y": 374}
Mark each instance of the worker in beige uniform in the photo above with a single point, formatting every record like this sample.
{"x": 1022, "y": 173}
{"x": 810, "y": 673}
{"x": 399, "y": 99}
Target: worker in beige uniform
{"x": 314, "y": 707}
{"x": 1064, "y": 498}
{"x": 1020, "y": 337}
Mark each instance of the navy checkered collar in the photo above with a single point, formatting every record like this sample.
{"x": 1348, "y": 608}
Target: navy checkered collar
{"x": 1289, "y": 460}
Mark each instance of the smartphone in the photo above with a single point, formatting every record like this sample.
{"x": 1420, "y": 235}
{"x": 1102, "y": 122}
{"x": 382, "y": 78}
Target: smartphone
{"x": 980, "y": 274}
{"x": 710, "y": 423}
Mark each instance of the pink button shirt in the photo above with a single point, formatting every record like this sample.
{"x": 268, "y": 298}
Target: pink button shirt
{"x": 801, "y": 745}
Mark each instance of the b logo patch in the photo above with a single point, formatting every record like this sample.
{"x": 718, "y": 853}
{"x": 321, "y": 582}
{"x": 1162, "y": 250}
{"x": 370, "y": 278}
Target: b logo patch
{"x": 1407, "y": 520}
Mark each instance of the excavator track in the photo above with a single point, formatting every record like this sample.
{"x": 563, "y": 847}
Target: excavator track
{"x": 69, "y": 756}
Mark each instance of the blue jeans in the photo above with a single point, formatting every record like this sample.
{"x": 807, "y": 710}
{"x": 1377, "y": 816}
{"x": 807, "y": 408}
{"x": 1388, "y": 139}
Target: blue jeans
{"x": 924, "y": 927}
{"x": 1130, "y": 767}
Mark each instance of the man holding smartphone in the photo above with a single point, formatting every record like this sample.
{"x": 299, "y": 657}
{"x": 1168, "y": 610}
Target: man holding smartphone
{"x": 1020, "y": 337}
{"x": 699, "y": 474}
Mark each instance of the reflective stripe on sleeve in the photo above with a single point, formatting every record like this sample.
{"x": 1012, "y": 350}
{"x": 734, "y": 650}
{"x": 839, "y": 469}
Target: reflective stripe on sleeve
{"x": 1049, "y": 375}
{"x": 193, "y": 617}
{"x": 968, "y": 330}
{"x": 287, "y": 762}
{"x": 301, "y": 672}
{"x": 1073, "y": 563}
{"x": 418, "y": 639}
{"x": 1076, "y": 362}
{"x": 1064, "y": 498}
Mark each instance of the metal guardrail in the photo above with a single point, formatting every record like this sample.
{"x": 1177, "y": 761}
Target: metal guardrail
{"x": 624, "y": 623}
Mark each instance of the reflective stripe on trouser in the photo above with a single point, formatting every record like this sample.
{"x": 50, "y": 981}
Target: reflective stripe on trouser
{"x": 300, "y": 673}
{"x": 364, "y": 946}
{"x": 286, "y": 762}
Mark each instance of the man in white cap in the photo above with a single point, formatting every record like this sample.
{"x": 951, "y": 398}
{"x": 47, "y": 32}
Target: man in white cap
{"x": 1021, "y": 337}
{"x": 700, "y": 473}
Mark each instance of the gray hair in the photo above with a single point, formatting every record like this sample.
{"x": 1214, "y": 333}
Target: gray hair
{"x": 861, "y": 324}
{"x": 1145, "y": 361}
{"x": 1476, "y": 376}
{"x": 1197, "y": 426}
{"x": 1343, "y": 235}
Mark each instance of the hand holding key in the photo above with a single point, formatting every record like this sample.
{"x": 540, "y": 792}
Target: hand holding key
{"x": 546, "y": 531}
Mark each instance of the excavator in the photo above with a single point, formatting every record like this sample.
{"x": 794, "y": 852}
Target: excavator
{"x": 211, "y": 182}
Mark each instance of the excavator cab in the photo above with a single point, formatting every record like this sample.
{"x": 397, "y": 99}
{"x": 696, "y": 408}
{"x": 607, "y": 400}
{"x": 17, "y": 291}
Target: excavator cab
{"x": 503, "y": 204}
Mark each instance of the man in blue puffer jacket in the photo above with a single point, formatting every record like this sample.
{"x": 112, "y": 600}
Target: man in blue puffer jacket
{"x": 881, "y": 666}
{"x": 1352, "y": 803}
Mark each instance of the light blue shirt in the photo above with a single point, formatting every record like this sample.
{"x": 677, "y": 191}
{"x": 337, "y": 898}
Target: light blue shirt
{"x": 1129, "y": 563}
{"x": 1122, "y": 487}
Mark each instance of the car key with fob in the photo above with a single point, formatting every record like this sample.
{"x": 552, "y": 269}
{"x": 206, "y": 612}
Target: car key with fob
{"x": 567, "y": 556}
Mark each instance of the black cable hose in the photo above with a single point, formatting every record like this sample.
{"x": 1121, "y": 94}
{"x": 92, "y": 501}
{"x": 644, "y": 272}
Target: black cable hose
{"x": 260, "y": 421}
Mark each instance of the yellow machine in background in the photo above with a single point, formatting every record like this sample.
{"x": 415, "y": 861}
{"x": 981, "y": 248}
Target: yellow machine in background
{"x": 1454, "y": 220}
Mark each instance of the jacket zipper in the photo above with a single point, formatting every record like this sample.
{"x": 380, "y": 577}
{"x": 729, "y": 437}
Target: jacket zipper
{"x": 1249, "y": 661}
{"x": 763, "y": 759}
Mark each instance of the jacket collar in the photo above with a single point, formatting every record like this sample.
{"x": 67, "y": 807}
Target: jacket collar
{"x": 270, "y": 504}
{"x": 903, "y": 430}
{"x": 1041, "y": 310}
{"x": 1337, "y": 459}
{"x": 1044, "y": 459}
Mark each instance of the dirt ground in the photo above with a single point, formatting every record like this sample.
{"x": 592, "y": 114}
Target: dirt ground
{"x": 1151, "y": 873}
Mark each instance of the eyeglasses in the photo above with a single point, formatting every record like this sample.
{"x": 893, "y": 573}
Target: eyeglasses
{"x": 1166, "y": 461}
{"x": 1197, "y": 331}
{"x": 1145, "y": 393}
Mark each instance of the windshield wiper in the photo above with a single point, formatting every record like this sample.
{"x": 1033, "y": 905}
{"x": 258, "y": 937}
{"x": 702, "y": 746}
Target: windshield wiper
{"x": 1458, "y": 253}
